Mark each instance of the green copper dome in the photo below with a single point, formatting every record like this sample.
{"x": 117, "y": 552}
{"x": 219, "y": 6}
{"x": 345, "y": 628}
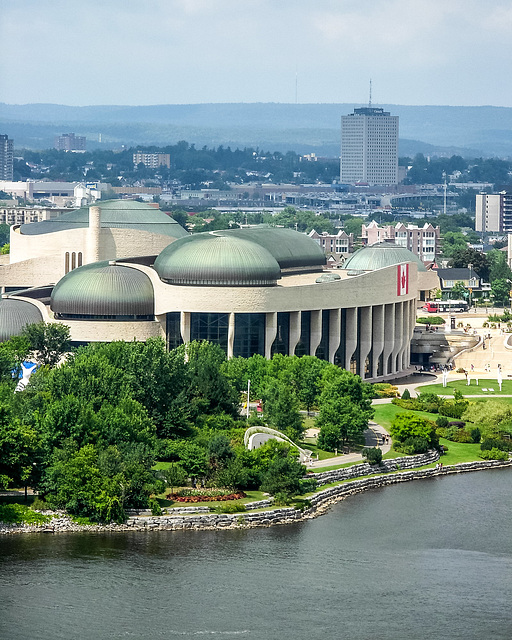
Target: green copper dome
{"x": 380, "y": 255}
{"x": 211, "y": 259}
{"x": 290, "y": 248}
{"x": 122, "y": 214}
{"x": 15, "y": 315}
{"x": 103, "y": 289}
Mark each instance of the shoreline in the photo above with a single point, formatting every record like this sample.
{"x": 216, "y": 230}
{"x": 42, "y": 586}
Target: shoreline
{"x": 320, "y": 503}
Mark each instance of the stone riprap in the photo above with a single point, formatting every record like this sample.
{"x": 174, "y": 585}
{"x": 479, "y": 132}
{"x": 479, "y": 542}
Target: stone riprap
{"x": 285, "y": 515}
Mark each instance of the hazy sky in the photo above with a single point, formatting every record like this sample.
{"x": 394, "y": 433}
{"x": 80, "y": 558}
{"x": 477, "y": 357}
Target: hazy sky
{"x": 456, "y": 52}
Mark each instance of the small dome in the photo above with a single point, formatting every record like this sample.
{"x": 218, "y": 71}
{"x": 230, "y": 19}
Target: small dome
{"x": 15, "y": 315}
{"x": 103, "y": 289}
{"x": 216, "y": 260}
{"x": 328, "y": 277}
{"x": 380, "y": 255}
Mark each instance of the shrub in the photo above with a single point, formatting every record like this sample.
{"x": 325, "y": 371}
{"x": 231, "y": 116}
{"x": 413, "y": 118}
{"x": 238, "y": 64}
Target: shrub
{"x": 475, "y": 434}
{"x": 441, "y": 422}
{"x": 21, "y": 514}
{"x": 301, "y": 505}
{"x": 385, "y": 390}
{"x": 406, "y": 395}
{"x": 39, "y": 504}
{"x": 453, "y": 409}
{"x": 308, "y": 485}
{"x": 412, "y": 445}
{"x": 494, "y": 454}
{"x": 235, "y": 507}
{"x": 463, "y": 436}
{"x": 495, "y": 443}
{"x": 433, "y": 320}
{"x": 154, "y": 505}
{"x": 372, "y": 454}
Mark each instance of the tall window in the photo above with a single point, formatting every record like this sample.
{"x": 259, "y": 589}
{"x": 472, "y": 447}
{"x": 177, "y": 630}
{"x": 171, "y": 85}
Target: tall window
{"x": 282, "y": 341}
{"x": 210, "y": 326}
{"x": 249, "y": 334}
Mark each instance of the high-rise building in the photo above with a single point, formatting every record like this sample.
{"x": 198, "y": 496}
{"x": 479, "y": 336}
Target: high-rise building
{"x": 6, "y": 158}
{"x": 369, "y": 147}
{"x": 70, "y": 142}
{"x": 494, "y": 212}
{"x": 152, "y": 160}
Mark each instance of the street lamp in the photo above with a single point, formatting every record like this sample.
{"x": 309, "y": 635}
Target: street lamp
{"x": 470, "y": 266}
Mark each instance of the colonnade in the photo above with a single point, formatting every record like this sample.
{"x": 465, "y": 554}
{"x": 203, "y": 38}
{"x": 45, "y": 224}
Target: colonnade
{"x": 373, "y": 341}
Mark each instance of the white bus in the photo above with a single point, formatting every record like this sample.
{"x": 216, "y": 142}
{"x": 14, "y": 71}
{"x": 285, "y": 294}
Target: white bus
{"x": 446, "y": 306}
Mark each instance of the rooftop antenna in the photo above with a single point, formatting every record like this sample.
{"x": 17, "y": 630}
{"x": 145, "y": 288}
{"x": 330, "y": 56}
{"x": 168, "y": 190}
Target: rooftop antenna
{"x": 370, "y": 99}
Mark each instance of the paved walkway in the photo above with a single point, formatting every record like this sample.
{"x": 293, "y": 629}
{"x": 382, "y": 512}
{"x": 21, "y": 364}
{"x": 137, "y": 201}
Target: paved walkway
{"x": 373, "y": 438}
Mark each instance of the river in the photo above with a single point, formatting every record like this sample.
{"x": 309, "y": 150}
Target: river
{"x": 420, "y": 560}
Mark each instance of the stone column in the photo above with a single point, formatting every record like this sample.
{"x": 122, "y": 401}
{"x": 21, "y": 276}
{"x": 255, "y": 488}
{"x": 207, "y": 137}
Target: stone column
{"x": 365, "y": 337}
{"x": 316, "y": 331}
{"x": 185, "y": 326}
{"x": 334, "y": 332}
{"x": 350, "y": 335}
{"x": 270, "y": 332}
{"x": 295, "y": 326}
{"x": 93, "y": 235}
{"x": 389, "y": 336}
{"x": 231, "y": 335}
{"x": 377, "y": 338}
{"x": 398, "y": 338}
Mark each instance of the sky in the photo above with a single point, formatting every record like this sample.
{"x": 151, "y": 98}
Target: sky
{"x": 139, "y": 52}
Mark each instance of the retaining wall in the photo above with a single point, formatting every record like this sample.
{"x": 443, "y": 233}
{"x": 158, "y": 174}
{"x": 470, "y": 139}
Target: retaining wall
{"x": 319, "y": 502}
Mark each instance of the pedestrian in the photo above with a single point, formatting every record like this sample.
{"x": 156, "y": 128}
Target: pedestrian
{"x": 472, "y": 367}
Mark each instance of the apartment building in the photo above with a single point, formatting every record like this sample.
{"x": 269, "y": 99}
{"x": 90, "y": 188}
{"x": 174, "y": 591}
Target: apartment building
{"x": 424, "y": 241}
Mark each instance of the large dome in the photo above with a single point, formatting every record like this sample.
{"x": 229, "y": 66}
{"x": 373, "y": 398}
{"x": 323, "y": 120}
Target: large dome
{"x": 15, "y": 315}
{"x": 103, "y": 289}
{"x": 209, "y": 259}
{"x": 291, "y": 249}
{"x": 123, "y": 214}
{"x": 380, "y": 255}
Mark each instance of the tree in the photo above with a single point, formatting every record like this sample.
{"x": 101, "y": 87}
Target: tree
{"x": 283, "y": 476}
{"x": 500, "y": 290}
{"x": 345, "y": 405}
{"x": 462, "y": 257}
{"x": 18, "y": 444}
{"x": 50, "y": 341}
{"x": 458, "y": 291}
{"x": 499, "y": 268}
{"x": 175, "y": 475}
{"x": 282, "y": 409}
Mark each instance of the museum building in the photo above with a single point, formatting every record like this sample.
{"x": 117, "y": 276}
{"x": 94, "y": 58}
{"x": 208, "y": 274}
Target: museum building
{"x": 125, "y": 270}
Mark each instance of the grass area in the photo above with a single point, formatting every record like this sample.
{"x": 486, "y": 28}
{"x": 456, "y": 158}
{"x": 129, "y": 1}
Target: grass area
{"x": 386, "y": 413}
{"x": 310, "y": 443}
{"x": 469, "y": 390}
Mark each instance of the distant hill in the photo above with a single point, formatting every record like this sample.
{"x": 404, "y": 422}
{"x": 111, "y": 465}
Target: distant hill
{"x": 304, "y": 128}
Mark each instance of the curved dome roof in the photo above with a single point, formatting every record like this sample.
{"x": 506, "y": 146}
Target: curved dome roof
{"x": 218, "y": 260}
{"x": 290, "y": 248}
{"x": 103, "y": 288}
{"x": 15, "y": 315}
{"x": 380, "y": 255}
{"x": 123, "y": 214}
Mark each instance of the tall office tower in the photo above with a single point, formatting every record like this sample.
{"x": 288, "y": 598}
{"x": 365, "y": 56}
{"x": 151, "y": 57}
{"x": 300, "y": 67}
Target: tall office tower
{"x": 70, "y": 142}
{"x": 369, "y": 147}
{"x": 6, "y": 158}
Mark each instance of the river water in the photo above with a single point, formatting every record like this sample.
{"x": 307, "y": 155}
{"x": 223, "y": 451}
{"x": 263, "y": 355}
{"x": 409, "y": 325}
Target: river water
{"x": 425, "y": 559}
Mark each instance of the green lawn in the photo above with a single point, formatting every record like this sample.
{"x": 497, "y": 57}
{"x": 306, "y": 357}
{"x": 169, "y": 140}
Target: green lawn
{"x": 386, "y": 413}
{"x": 468, "y": 390}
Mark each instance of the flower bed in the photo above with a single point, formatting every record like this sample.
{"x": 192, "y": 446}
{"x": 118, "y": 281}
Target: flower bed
{"x": 205, "y": 498}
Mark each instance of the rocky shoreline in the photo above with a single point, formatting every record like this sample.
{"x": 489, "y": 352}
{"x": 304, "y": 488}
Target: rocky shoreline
{"x": 204, "y": 520}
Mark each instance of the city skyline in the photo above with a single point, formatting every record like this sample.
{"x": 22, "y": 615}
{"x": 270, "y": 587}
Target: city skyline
{"x": 197, "y": 51}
